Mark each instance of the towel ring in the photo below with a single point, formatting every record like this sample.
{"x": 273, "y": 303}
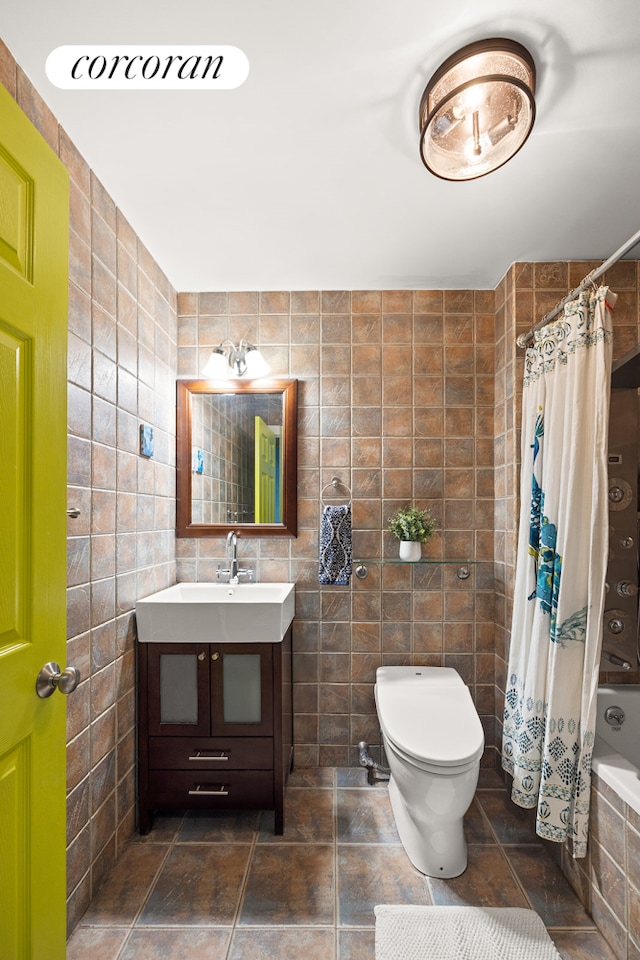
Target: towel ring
{"x": 335, "y": 482}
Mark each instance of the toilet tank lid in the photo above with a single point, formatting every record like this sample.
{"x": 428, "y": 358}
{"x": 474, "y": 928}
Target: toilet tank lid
{"x": 445, "y": 676}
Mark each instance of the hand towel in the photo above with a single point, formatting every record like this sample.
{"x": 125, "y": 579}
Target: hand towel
{"x": 334, "y": 566}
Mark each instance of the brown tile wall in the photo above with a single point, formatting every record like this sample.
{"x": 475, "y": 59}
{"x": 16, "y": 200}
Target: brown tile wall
{"x": 396, "y": 399}
{"x": 607, "y": 880}
{"x": 613, "y": 871}
{"x": 122, "y": 362}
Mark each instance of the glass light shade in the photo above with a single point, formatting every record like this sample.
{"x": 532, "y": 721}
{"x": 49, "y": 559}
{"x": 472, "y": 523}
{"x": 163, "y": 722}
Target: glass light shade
{"x": 477, "y": 110}
{"x": 217, "y": 366}
{"x": 256, "y": 365}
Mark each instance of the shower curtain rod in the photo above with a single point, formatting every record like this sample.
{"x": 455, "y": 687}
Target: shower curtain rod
{"x": 525, "y": 338}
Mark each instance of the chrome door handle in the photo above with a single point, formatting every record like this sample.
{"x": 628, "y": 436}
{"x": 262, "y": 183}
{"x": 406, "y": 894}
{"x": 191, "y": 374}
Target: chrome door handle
{"x": 51, "y": 679}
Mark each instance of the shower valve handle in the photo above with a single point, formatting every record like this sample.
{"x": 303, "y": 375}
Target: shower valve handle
{"x": 626, "y": 588}
{"x": 614, "y": 716}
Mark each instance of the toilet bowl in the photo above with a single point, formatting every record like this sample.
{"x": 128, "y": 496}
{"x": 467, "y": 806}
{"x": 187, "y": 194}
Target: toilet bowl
{"x": 433, "y": 740}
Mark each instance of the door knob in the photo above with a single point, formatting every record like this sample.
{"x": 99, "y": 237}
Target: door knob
{"x": 51, "y": 679}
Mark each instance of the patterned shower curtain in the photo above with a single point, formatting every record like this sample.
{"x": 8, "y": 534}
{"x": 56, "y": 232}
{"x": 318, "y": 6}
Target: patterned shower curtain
{"x": 556, "y": 635}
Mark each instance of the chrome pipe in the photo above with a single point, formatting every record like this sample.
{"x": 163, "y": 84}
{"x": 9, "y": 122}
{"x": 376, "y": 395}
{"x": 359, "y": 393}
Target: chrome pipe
{"x": 366, "y": 760}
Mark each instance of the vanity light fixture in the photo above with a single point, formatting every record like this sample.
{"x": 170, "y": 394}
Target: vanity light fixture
{"x": 478, "y": 109}
{"x": 228, "y": 361}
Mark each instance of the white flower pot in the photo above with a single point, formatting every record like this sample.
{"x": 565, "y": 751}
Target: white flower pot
{"x": 410, "y": 550}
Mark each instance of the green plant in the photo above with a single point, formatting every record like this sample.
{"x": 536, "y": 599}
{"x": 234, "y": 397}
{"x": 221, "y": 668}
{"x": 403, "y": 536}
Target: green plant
{"x": 409, "y": 523}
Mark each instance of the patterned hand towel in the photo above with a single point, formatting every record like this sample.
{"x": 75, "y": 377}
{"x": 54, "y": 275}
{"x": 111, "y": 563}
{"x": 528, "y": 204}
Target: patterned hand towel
{"x": 334, "y": 566}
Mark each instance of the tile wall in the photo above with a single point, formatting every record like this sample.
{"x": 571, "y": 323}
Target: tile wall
{"x": 122, "y": 349}
{"x": 396, "y": 394}
{"x": 608, "y": 879}
{"x": 122, "y": 361}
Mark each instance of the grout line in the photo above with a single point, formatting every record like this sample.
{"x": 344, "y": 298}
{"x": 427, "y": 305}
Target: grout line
{"x": 514, "y": 874}
{"x": 151, "y": 888}
{"x": 336, "y": 892}
{"x": 503, "y": 854}
{"x": 243, "y": 886}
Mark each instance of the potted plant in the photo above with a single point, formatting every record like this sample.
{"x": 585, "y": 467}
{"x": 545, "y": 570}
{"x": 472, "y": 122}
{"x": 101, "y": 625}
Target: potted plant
{"x": 412, "y": 527}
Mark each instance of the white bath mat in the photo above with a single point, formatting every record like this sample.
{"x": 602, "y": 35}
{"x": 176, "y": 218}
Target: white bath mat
{"x": 461, "y": 933}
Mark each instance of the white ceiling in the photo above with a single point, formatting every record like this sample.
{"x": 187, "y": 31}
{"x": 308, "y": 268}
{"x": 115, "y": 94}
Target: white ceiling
{"x": 308, "y": 176}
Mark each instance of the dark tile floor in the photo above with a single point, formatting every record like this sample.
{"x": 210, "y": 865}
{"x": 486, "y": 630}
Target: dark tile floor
{"x": 223, "y": 887}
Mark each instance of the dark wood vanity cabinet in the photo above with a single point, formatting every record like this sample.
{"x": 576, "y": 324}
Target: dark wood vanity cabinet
{"x": 214, "y": 727}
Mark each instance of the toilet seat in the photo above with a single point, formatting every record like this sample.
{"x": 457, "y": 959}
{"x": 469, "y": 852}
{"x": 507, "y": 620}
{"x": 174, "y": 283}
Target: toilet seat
{"x": 428, "y": 716}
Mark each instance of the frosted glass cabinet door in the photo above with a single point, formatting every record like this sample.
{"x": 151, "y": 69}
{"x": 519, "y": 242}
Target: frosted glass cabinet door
{"x": 179, "y": 689}
{"x": 241, "y": 698}
{"x": 242, "y": 689}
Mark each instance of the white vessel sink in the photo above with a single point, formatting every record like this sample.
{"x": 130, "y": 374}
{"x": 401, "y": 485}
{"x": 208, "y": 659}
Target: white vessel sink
{"x": 217, "y": 612}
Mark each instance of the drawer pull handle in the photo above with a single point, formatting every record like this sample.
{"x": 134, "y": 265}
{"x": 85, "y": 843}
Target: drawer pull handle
{"x": 198, "y": 792}
{"x": 200, "y": 756}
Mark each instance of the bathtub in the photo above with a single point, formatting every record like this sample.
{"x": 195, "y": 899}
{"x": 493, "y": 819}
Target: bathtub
{"x": 616, "y": 753}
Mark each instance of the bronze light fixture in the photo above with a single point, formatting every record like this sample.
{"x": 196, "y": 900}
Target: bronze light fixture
{"x": 478, "y": 109}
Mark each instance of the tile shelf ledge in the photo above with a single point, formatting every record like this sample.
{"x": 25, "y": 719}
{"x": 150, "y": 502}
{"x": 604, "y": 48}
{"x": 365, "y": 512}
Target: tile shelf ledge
{"x": 361, "y": 567}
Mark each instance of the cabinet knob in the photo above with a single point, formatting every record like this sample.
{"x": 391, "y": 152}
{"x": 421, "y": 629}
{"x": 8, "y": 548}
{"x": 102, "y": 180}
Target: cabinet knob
{"x": 201, "y": 656}
{"x": 215, "y": 656}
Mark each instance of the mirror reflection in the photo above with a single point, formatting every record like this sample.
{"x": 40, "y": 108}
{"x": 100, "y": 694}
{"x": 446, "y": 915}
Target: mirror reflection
{"x": 236, "y": 457}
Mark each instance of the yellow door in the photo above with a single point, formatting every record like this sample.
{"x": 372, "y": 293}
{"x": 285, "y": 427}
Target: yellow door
{"x": 265, "y": 472}
{"x": 34, "y": 200}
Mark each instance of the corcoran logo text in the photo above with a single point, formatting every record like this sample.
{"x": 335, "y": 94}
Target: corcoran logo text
{"x": 129, "y": 67}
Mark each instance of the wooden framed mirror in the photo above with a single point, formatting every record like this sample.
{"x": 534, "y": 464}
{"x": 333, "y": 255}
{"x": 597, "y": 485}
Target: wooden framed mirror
{"x": 236, "y": 458}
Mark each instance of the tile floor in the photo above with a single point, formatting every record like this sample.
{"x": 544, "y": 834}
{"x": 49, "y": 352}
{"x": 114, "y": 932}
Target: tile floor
{"x": 223, "y": 887}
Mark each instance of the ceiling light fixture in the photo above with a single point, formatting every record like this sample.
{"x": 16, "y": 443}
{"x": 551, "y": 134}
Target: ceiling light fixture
{"x": 478, "y": 109}
{"x": 230, "y": 362}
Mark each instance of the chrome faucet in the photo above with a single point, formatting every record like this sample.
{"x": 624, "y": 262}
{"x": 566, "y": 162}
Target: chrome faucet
{"x": 232, "y": 548}
{"x": 234, "y": 573}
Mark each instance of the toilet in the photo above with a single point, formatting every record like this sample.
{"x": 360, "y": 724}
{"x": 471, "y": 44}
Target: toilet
{"x": 433, "y": 740}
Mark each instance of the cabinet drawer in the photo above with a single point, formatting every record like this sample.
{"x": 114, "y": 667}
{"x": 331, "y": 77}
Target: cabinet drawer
{"x": 211, "y": 790}
{"x": 210, "y": 753}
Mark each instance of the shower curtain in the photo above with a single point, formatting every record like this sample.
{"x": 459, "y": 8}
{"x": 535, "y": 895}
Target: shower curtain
{"x": 563, "y": 543}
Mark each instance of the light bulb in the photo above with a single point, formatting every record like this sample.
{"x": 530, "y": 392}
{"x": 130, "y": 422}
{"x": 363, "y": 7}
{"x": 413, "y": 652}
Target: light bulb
{"x": 473, "y": 98}
{"x": 447, "y": 121}
{"x": 499, "y": 130}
